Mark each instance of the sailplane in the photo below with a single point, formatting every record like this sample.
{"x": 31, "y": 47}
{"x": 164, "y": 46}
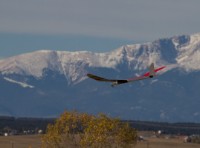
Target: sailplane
{"x": 152, "y": 72}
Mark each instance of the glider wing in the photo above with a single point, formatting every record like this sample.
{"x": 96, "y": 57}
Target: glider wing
{"x": 97, "y": 78}
{"x": 114, "y": 82}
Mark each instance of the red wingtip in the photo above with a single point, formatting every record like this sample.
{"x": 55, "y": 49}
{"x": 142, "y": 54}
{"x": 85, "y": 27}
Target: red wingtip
{"x": 160, "y": 68}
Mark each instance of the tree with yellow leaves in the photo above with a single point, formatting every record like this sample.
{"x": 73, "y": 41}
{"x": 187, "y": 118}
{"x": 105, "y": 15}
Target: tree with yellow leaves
{"x": 74, "y": 129}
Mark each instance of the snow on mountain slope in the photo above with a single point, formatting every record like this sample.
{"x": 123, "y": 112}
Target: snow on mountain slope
{"x": 181, "y": 51}
{"x": 23, "y": 84}
{"x": 30, "y": 63}
{"x": 189, "y": 54}
{"x": 71, "y": 64}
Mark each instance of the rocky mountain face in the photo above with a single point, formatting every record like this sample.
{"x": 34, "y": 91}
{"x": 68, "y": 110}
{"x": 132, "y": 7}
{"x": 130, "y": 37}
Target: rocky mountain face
{"x": 45, "y": 83}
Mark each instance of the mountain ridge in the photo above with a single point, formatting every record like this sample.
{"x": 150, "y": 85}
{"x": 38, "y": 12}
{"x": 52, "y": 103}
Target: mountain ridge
{"x": 48, "y": 82}
{"x": 112, "y": 58}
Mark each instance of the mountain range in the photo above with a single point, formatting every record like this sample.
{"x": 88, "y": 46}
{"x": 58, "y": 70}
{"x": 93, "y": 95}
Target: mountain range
{"x": 44, "y": 83}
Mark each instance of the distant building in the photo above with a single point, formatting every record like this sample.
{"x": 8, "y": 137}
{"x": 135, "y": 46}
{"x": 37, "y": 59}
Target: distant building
{"x": 40, "y": 131}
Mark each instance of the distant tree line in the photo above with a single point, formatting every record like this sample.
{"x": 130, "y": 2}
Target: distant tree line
{"x": 21, "y": 124}
{"x": 167, "y": 128}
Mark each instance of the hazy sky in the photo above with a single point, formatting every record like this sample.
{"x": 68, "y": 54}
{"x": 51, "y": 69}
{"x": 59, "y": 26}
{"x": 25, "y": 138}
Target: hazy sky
{"x": 28, "y": 25}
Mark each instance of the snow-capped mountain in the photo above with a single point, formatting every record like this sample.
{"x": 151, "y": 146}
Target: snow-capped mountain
{"x": 47, "y": 82}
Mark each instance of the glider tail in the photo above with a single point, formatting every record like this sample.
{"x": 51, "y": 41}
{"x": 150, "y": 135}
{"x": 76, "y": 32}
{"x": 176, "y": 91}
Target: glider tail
{"x": 151, "y": 71}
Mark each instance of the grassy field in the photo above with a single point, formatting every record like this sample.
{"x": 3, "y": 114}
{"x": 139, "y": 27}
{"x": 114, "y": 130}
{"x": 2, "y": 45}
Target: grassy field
{"x": 165, "y": 143}
{"x": 30, "y": 141}
{"x": 35, "y": 142}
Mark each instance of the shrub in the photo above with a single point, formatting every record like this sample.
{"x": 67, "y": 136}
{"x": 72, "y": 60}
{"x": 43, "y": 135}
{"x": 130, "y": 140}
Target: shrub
{"x": 73, "y": 129}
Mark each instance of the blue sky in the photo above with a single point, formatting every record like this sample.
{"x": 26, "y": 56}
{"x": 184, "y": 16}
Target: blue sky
{"x": 29, "y": 25}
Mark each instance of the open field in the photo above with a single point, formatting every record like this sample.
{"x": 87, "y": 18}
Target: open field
{"x": 165, "y": 143}
{"x": 34, "y": 142}
{"x": 28, "y": 141}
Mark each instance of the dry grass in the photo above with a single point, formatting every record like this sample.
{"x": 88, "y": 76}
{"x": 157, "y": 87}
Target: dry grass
{"x": 28, "y": 141}
{"x": 165, "y": 143}
{"x": 35, "y": 142}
